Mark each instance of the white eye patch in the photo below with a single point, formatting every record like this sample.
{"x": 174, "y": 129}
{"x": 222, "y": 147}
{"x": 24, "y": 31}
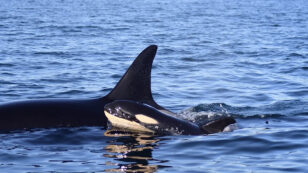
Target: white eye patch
{"x": 145, "y": 119}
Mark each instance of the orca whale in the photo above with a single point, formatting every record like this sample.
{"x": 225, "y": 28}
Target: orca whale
{"x": 139, "y": 117}
{"x": 49, "y": 113}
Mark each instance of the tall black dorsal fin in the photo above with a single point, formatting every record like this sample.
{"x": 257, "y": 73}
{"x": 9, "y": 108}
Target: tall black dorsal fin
{"x": 136, "y": 82}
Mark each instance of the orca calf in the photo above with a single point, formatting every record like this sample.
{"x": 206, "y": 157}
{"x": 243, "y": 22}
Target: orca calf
{"x": 137, "y": 116}
{"x": 48, "y": 113}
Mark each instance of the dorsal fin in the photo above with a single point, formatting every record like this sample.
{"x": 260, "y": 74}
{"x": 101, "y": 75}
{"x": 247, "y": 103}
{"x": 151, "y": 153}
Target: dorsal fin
{"x": 136, "y": 82}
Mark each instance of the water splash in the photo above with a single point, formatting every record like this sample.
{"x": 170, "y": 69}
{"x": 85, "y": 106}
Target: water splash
{"x": 206, "y": 112}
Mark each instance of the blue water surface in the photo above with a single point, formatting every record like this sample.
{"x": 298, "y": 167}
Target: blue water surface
{"x": 245, "y": 59}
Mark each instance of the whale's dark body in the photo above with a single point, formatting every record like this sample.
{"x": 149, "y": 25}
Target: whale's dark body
{"x": 134, "y": 85}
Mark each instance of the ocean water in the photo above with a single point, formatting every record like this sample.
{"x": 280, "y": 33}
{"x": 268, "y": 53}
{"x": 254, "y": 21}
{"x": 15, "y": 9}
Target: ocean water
{"x": 245, "y": 59}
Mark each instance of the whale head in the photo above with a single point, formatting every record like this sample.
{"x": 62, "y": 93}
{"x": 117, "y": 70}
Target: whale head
{"x": 130, "y": 115}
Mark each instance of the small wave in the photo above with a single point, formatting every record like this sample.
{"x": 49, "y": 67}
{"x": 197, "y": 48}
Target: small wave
{"x": 191, "y": 59}
{"x": 298, "y": 93}
{"x": 72, "y": 92}
{"x": 6, "y": 82}
{"x": 51, "y": 53}
{"x": 6, "y": 65}
{"x": 166, "y": 51}
{"x": 61, "y": 80}
{"x": 57, "y": 136}
{"x": 203, "y": 113}
{"x": 296, "y": 55}
{"x": 116, "y": 76}
{"x": 7, "y": 73}
{"x": 305, "y": 68}
{"x": 258, "y": 143}
{"x": 257, "y": 116}
{"x": 206, "y": 112}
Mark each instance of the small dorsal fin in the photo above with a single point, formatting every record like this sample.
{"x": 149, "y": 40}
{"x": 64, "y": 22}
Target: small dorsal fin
{"x": 136, "y": 82}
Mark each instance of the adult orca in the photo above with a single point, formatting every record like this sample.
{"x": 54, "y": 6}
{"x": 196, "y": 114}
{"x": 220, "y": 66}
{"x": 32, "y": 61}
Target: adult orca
{"x": 136, "y": 116}
{"x": 48, "y": 113}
